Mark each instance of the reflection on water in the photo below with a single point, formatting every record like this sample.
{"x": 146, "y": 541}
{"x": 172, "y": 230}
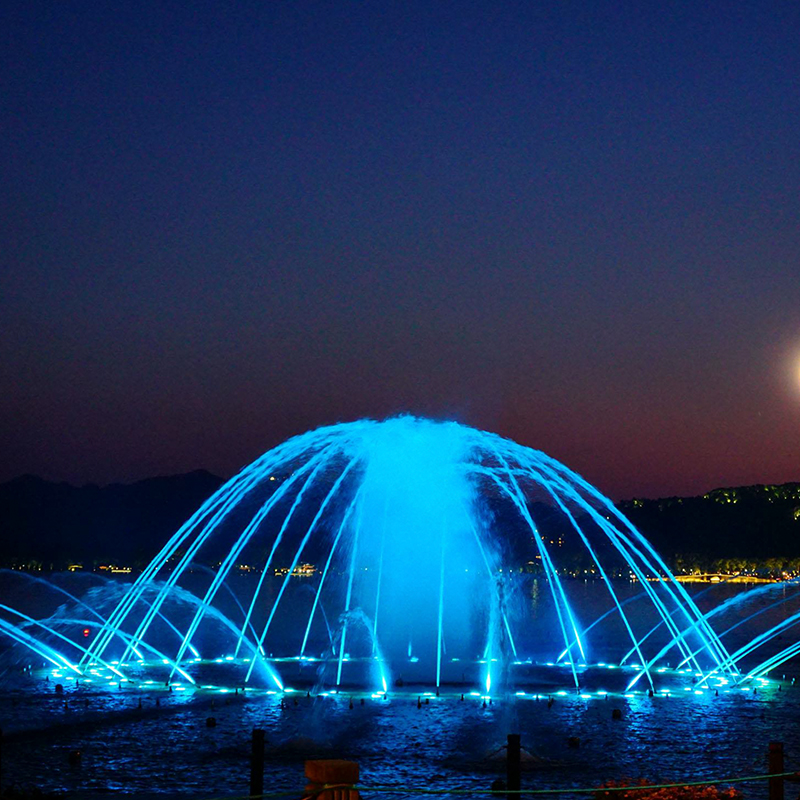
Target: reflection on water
{"x": 167, "y": 748}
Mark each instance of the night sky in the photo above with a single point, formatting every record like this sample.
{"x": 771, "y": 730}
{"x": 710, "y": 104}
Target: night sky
{"x": 573, "y": 223}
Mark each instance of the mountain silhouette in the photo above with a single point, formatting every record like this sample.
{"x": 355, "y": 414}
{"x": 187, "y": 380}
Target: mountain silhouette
{"x": 55, "y": 524}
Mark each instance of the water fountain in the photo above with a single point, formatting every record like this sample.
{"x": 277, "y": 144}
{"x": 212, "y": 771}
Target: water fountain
{"x": 405, "y": 557}
{"x": 417, "y": 531}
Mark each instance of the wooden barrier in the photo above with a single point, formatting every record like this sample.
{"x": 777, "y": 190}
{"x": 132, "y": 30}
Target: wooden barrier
{"x": 257, "y": 763}
{"x": 513, "y": 765}
{"x": 775, "y": 767}
{"x": 332, "y": 772}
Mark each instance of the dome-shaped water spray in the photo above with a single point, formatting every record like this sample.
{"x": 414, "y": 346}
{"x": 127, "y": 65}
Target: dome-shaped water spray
{"x": 416, "y": 534}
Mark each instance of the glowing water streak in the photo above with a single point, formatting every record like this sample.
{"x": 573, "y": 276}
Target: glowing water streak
{"x": 750, "y": 616}
{"x": 247, "y": 479}
{"x": 72, "y": 597}
{"x": 331, "y": 494}
{"x": 554, "y": 583}
{"x": 38, "y": 623}
{"x": 546, "y": 559}
{"x": 139, "y": 587}
{"x": 380, "y": 577}
{"x": 212, "y": 512}
{"x": 342, "y": 526}
{"x": 509, "y": 634}
{"x": 110, "y": 667}
{"x": 488, "y": 652}
{"x": 204, "y": 568}
{"x": 774, "y": 661}
{"x": 41, "y": 649}
{"x": 313, "y": 590}
{"x": 672, "y": 614}
{"x": 755, "y": 643}
{"x": 142, "y": 599}
{"x": 216, "y": 501}
{"x": 307, "y": 446}
{"x": 628, "y": 551}
{"x": 679, "y": 640}
{"x": 681, "y": 637}
{"x": 628, "y": 600}
{"x": 751, "y": 594}
{"x": 84, "y": 604}
{"x": 80, "y": 602}
{"x": 441, "y": 611}
{"x": 315, "y": 465}
{"x": 349, "y": 594}
{"x": 241, "y": 542}
{"x": 547, "y": 484}
{"x": 55, "y": 587}
{"x": 488, "y": 656}
{"x": 183, "y": 596}
{"x": 491, "y": 577}
{"x": 623, "y": 544}
{"x": 603, "y": 616}
{"x": 715, "y": 647}
{"x": 71, "y": 621}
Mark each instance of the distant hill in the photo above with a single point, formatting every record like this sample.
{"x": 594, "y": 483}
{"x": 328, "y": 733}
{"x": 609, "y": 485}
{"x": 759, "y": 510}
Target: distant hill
{"x": 55, "y": 524}
{"x": 742, "y": 524}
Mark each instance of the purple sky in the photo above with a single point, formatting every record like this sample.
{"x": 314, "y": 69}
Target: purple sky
{"x": 576, "y": 224}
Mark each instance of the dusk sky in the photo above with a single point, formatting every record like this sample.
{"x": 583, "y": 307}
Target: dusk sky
{"x": 573, "y": 223}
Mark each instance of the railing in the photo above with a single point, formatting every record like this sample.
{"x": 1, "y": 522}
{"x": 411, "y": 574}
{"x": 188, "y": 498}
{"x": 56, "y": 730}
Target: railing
{"x": 334, "y": 779}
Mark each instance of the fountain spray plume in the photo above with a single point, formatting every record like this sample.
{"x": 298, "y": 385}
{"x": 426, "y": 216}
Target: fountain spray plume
{"x": 413, "y": 525}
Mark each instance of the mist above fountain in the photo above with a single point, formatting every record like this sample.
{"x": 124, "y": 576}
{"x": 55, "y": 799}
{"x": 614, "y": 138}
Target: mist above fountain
{"x": 417, "y": 530}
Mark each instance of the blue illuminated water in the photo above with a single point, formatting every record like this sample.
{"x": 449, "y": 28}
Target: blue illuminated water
{"x": 447, "y": 563}
{"x": 168, "y": 749}
{"x": 417, "y": 531}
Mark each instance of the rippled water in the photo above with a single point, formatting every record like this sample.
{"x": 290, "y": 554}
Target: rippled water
{"x": 168, "y": 749}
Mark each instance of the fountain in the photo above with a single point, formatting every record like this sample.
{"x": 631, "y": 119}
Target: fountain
{"x": 417, "y": 531}
{"x": 399, "y": 577}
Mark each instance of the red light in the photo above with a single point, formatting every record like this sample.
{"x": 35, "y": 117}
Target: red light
{"x": 85, "y": 633}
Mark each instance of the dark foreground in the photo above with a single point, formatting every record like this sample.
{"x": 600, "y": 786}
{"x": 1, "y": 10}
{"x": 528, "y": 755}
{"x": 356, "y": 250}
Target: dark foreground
{"x": 169, "y": 749}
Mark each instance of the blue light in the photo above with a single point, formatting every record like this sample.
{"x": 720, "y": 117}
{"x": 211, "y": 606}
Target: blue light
{"x": 396, "y": 516}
